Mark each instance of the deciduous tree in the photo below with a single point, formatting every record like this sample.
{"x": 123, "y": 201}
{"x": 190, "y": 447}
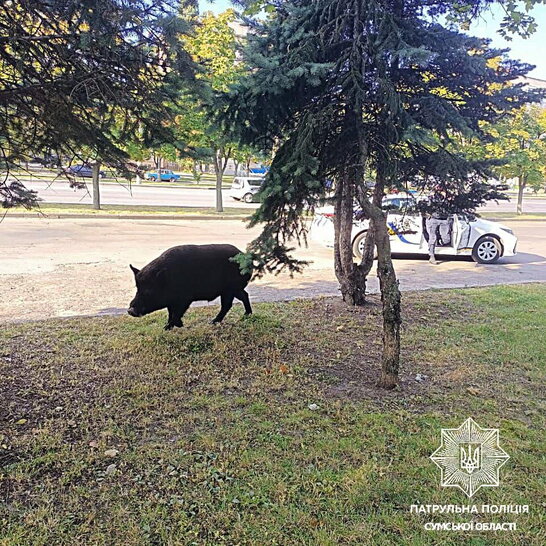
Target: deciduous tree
{"x": 520, "y": 144}
{"x": 214, "y": 47}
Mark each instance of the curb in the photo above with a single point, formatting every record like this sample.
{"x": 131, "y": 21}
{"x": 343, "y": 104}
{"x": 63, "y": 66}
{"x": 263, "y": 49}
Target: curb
{"x": 167, "y": 185}
{"x": 500, "y": 220}
{"x": 122, "y": 312}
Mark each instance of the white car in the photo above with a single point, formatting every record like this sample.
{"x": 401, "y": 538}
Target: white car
{"x": 244, "y": 188}
{"x": 484, "y": 240}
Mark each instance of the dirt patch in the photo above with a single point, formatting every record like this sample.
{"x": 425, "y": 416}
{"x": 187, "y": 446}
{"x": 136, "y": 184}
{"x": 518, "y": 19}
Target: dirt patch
{"x": 307, "y": 348}
{"x": 348, "y": 365}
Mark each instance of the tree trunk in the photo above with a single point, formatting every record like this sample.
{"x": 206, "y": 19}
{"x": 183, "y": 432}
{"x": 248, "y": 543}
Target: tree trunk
{"x": 219, "y": 172}
{"x": 391, "y": 300}
{"x": 368, "y": 254}
{"x": 219, "y": 203}
{"x": 138, "y": 179}
{"x": 352, "y": 282}
{"x": 96, "y": 185}
{"x": 236, "y": 165}
{"x": 521, "y": 186}
{"x": 378, "y": 236}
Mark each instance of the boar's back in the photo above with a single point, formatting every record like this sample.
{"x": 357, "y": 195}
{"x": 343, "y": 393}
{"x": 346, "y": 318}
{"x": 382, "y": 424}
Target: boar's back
{"x": 197, "y": 272}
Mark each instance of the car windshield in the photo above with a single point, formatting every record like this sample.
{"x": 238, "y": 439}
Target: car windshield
{"x": 398, "y": 203}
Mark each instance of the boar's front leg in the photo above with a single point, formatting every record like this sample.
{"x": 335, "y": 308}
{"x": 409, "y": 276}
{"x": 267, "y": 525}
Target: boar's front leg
{"x": 175, "y": 316}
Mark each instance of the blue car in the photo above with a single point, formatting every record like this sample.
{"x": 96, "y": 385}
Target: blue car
{"x": 85, "y": 171}
{"x": 164, "y": 175}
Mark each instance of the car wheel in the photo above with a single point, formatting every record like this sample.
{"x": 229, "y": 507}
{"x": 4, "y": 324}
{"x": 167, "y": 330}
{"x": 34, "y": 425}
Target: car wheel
{"x": 358, "y": 246}
{"x": 248, "y": 198}
{"x": 152, "y": 178}
{"x": 172, "y": 179}
{"x": 487, "y": 250}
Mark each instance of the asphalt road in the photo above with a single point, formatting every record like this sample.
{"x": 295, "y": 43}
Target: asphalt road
{"x": 67, "y": 267}
{"x": 116, "y": 194}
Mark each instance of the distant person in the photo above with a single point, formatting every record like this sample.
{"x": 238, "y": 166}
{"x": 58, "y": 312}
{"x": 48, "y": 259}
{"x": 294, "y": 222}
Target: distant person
{"x": 437, "y": 221}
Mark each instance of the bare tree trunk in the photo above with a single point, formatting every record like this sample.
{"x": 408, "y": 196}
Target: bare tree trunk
{"x": 391, "y": 300}
{"x": 96, "y": 185}
{"x": 368, "y": 254}
{"x": 221, "y": 158}
{"x": 378, "y": 236}
{"x": 219, "y": 177}
{"x": 521, "y": 186}
{"x": 352, "y": 282}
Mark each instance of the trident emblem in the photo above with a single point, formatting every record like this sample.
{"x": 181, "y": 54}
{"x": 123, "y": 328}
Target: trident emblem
{"x": 470, "y": 457}
{"x": 470, "y": 461}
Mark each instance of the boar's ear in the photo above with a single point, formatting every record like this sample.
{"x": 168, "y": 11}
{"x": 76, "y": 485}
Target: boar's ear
{"x": 134, "y": 269}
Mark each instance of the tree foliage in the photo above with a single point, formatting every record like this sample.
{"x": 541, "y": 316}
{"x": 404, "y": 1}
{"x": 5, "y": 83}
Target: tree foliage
{"x": 337, "y": 87}
{"x": 520, "y": 143}
{"x": 520, "y": 147}
{"x": 517, "y": 19}
{"x": 81, "y": 74}
{"x": 341, "y": 88}
{"x": 214, "y": 47}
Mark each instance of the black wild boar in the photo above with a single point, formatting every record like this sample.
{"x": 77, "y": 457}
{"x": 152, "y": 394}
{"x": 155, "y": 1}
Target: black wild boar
{"x": 188, "y": 273}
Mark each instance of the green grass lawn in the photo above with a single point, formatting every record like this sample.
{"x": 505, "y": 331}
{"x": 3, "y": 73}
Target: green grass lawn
{"x": 56, "y": 209}
{"x": 208, "y": 180}
{"x": 514, "y": 216}
{"x": 113, "y": 431}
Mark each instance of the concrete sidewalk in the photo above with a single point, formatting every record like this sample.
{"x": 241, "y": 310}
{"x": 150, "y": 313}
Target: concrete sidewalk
{"x": 59, "y": 268}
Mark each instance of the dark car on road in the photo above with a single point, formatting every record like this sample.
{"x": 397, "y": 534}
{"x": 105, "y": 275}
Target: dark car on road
{"x": 85, "y": 171}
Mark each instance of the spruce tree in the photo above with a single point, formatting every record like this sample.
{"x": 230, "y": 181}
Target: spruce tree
{"x": 341, "y": 88}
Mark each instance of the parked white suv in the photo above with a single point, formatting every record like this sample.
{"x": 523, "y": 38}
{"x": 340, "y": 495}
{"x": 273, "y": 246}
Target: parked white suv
{"x": 244, "y": 188}
{"x": 484, "y": 240}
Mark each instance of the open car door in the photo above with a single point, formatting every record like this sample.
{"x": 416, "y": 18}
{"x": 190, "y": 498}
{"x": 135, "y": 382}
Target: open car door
{"x": 406, "y": 232}
{"x": 461, "y": 232}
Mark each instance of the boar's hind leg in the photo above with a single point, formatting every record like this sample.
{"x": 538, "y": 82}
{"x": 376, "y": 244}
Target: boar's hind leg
{"x": 243, "y": 296}
{"x": 227, "y": 302}
{"x": 175, "y": 316}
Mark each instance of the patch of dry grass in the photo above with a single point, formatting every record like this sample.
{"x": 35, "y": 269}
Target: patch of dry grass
{"x": 214, "y": 440}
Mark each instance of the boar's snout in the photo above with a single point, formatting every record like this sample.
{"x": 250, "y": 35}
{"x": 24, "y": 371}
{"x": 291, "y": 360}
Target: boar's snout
{"x": 132, "y": 312}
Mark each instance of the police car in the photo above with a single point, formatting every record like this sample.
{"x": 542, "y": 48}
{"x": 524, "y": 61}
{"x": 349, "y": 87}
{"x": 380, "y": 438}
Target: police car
{"x": 484, "y": 240}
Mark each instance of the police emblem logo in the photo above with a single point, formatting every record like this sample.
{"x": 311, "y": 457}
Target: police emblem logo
{"x": 470, "y": 457}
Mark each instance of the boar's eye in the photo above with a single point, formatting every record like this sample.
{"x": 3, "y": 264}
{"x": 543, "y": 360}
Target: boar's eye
{"x": 143, "y": 289}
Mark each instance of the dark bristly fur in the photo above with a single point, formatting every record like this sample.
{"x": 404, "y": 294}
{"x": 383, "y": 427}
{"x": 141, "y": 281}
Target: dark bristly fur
{"x": 188, "y": 273}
